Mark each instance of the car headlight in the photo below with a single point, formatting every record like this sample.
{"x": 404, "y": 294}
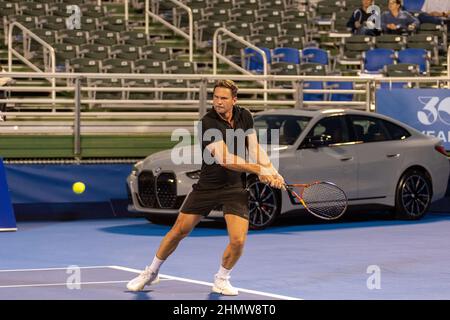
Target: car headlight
{"x": 194, "y": 174}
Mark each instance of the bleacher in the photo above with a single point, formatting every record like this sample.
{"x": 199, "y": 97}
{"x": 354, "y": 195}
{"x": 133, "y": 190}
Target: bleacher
{"x": 299, "y": 37}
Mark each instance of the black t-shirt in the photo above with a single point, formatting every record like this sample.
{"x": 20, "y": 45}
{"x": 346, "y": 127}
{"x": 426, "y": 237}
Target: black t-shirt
{"x": 213, "y": 175}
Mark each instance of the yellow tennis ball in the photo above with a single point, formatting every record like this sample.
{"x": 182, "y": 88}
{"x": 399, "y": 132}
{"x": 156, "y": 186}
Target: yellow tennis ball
{"x": 78, "y": 187}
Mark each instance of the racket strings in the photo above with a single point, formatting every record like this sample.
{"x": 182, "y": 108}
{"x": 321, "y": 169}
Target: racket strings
{"x": 325, "y": 200}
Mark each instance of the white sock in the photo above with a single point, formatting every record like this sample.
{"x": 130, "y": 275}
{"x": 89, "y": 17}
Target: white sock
{"x": 156, "y": 264}
{"x": 223, "y": 273}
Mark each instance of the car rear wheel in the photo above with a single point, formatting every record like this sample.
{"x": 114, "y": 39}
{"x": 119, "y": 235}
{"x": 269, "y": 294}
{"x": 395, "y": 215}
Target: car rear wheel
{"x": 264, "y": 205}
{"x": 413, "y": 196}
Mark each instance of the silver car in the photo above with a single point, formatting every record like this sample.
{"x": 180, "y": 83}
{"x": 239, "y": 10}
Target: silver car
{"x": 376, "y": 160}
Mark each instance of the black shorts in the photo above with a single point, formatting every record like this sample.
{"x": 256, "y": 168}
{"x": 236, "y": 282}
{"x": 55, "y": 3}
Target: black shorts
{"x": 230, "y": 200}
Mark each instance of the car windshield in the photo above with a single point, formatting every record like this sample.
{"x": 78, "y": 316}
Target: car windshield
{"x": 279, "y": 129}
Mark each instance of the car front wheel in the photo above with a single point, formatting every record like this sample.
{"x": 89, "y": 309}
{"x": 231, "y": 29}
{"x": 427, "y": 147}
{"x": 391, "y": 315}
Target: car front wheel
{"x": 264, "y": 205}
{"x": 414, "y": 194}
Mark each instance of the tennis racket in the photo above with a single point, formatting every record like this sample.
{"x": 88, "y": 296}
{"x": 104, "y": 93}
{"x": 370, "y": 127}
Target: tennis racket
{"x": 323, "y": 199}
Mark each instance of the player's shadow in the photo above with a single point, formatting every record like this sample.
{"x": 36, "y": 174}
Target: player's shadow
{"x": 286, "y": 224}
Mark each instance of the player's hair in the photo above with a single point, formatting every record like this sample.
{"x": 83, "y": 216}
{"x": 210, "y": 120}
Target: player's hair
{"x": 229, "y": 84}
{"x": 397, "y": 2}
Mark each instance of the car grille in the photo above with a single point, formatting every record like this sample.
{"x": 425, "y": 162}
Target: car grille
{"x": 166, "y": 190}
{"x": 160, "y": 191}
{"x": 146, "y": 187}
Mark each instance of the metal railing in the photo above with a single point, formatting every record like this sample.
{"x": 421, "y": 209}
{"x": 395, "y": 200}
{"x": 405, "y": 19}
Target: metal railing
{"x": 48, "y": 55}
{"x": 217, "y": 55}
{"x": 189, "y": 36}
{"x": 195, "y": 108}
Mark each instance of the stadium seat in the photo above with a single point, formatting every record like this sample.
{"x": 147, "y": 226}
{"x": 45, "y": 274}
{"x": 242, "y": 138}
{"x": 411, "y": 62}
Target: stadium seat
{"x": 8, "y": 9}
{"x": 134, "y": 38}
{"x": 267, "y": 28}
{"x": 95, "y": 51}
{"x": 149, "y": 66}
{"x": 284, "y": 68}
{"x": 89, "y": 23}
{"x": 315, "y": 55}
{"x": 33, "y": 9}
{"x": 425, "y": 41}
{"x": 374, "y": 60}
{"x": 317, "y": 85}
{"x": 104, "y": 37}
{"x": 340, "y": 85}
{"x": 156, "y": 53}
{"x": 390, "y": 41}
{"x": 291, "y": 41}
{"x": 352, "y": 48}
{"x": 253, "y": 60}
{"x": 238, "y": 14}
{"x": 290, "y": 55}
{"x": 117, "y": 66}
{"x": 124, "y": 51}
{"x": 264, "y": 41}
{"x": 73, "y": 37}
{"x": 84, "y": 65}
{"x": 419, "y": 57}
{"x": 269, "y": 15}
{"x": 114, "y": 24}
{"x": 93, "y": 10}
{"x": 180, "y": 67}
{"x": 413, "y": 5}
{"x": 312, "y": 69}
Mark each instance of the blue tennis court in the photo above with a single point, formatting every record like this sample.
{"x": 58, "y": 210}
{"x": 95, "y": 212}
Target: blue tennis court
{"x": 358, "y": 258}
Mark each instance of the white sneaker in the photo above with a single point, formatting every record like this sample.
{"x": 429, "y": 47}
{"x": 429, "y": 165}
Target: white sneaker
{"x": 146, "y": 278}
{"x": 223, "y": 286}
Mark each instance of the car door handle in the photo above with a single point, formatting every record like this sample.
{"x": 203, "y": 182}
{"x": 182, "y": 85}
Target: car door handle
{"x": 394, "y": 155}
{"x": 347, "y": 159}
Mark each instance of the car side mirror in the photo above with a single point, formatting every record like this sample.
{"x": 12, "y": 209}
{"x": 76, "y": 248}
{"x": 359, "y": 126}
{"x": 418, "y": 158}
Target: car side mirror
{"x": 318, "y": 141}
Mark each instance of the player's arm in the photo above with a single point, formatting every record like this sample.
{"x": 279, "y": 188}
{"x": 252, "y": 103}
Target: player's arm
{"x": 260, "y": 156}
{"x": 230, "y": 161}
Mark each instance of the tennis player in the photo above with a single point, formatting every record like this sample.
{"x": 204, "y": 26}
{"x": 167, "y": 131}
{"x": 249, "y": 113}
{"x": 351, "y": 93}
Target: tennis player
{"x": 222, "y": 182}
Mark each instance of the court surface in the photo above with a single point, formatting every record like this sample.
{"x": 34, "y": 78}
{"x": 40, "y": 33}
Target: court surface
{"x": 357, "y": 258}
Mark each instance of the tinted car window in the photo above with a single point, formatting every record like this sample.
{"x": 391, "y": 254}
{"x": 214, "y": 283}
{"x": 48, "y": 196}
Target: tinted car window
{"x": 333, "y": 126}
{"x": 289, "y": 128}
{"x": 395, "y": 131}
{"x": 368, "y": 129}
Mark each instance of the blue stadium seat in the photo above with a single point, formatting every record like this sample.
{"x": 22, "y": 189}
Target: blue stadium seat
{"x": 415, "y": 56}
{"x": 313, "y": 96}
{"x": 254, "y": 61}
{"x": 340, "y": 86}
{"x": 315, "y": 55}
{"x": 413, "y": 5}
{"x": 290, "y": 55}
{"x": 376, "y": 59}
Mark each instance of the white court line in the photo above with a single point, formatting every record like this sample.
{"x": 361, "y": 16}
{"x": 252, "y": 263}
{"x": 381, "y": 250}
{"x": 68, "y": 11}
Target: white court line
{"x": 66, "y": 284}
{"x": 271, "y": 295}
{"x": 60, "y": 284}
{"x": 49, "y": 269}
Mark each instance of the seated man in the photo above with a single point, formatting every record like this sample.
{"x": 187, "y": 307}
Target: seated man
{"x": 436, "y": 8}
{"x": 359, "y": 18}
{"x": 435, "y": 11}
{"x": 397, "y": 21}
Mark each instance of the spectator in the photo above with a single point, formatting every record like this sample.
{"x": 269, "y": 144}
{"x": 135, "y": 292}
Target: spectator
{"x": 435, "y": 11}
{"x": 358, "y": 20}
{"x": 3, "y": 81}
{"x": 437, "y": 8}
{"x": 397, "y": 21}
